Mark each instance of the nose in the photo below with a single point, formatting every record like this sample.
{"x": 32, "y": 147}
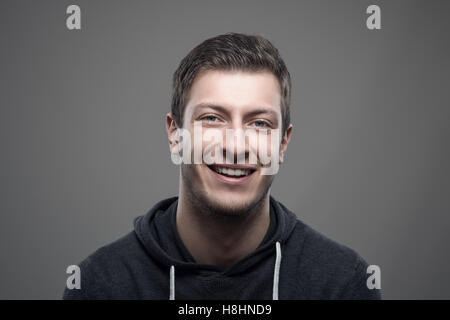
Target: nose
{"x": 235, "y": 147}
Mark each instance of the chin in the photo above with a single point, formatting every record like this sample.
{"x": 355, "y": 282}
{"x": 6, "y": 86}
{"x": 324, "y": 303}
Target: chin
{"x": 216, "y": 198}
{"x": 230, "y": 205}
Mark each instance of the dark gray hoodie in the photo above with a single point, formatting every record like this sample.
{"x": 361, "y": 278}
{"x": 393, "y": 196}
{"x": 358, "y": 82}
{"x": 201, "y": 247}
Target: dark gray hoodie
{"x": 292, "y": 262}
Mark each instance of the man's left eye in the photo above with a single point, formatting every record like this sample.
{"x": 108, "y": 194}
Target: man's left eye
{"x": 211, "y": 118}
{"x": 260, "y": 124}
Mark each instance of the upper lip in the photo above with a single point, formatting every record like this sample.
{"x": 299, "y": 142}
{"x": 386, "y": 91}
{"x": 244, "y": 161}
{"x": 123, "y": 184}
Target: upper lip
{"x": 233, "y": 166}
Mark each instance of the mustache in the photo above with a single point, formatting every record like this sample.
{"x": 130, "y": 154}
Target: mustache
{"x": 230, "y": 156}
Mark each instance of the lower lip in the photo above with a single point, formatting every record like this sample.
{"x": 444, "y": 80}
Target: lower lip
{"x": 232, "y": 180}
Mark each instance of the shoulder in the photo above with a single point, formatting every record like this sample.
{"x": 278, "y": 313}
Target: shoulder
{"x": 329, "y": 266}
{"x": 103, "y": 271}
{"x": 121, "y": 251}
{"x": 319, "y": 248}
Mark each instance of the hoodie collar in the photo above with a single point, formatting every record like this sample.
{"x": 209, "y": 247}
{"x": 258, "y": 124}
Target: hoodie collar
{"x": 157, "y": 231}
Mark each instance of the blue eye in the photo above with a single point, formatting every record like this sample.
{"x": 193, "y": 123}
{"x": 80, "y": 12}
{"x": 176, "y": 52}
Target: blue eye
{"x": 210, "y": 118}
{"x": 260, "y": 124}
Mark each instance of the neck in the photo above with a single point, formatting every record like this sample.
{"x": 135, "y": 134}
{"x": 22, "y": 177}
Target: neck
{"x": 220, "y": 242}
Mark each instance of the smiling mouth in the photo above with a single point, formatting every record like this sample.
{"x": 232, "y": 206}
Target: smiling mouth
{"x": 231, "y": 172}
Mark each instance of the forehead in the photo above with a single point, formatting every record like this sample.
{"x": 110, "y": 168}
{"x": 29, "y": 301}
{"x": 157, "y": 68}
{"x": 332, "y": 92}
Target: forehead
{"x": 239, "y": 91}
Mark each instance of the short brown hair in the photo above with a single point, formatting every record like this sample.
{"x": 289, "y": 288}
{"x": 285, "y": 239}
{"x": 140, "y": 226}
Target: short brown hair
{"x": 231, "y": 51}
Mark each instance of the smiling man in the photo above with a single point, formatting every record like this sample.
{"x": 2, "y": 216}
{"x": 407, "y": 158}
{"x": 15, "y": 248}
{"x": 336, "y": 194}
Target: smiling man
{"x": 224, "y": 236}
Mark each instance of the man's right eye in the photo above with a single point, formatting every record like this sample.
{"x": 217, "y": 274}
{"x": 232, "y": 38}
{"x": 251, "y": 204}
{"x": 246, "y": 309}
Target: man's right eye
{"x": 210, "y": 118}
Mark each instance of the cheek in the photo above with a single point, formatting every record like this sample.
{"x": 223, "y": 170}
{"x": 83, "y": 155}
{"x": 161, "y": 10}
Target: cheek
{"x": 212, "y": 139}
{"x": 265, "y": 180}
{"x": 267, "y": 146}
{"x": 210, "y": 146}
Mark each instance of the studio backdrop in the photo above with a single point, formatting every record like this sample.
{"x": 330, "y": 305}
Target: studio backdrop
{"x": 84, "y": 148}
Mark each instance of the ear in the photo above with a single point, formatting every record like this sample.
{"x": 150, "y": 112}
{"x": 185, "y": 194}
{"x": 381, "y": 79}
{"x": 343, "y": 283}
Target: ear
{"x": 171, "y": 128}
{"x": 285, "y": 142}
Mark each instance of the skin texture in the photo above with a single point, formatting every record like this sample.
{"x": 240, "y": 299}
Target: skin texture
{"x": 219, "y": 222}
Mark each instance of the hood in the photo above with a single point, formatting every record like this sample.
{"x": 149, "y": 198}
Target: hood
{"x": 157, "y": 238}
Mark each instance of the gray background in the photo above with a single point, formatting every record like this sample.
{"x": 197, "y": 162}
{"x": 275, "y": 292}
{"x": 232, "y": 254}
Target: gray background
{"x": 84, "y": 151}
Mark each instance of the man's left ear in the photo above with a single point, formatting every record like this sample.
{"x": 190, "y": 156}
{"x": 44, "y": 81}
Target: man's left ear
{"x": 285, "y": 142}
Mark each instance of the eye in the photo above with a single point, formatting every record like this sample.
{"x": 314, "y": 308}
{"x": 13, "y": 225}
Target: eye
{"x": 210, "y": 118}
{"x": 261, "y": 124}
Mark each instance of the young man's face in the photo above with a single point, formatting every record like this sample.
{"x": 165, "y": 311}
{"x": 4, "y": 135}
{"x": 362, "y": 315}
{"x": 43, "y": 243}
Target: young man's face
{"x": 236, "y": 100}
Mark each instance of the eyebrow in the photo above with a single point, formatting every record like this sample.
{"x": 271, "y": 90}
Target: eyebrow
{"x": 222, "y": 109}
{"x": 211, "y": 106}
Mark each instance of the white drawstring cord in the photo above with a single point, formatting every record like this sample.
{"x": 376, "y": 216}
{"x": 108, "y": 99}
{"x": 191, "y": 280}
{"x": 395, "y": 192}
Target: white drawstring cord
{"x": 276, "y": 275}
{"x": 172, "y": 283}
{"x": 276, "y": 272}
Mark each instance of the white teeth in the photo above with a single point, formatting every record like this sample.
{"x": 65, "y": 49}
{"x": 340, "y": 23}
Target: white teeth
{"x": 232, "y": 172}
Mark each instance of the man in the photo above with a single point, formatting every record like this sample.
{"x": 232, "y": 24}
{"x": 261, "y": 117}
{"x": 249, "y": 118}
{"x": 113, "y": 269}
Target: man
{"x": 224, "y": 236}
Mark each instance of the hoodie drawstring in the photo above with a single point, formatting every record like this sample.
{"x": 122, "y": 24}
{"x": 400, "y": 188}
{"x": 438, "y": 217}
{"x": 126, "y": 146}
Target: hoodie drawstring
{"x": 276, "y": 272}
{"x": 172, "y": 283}
{"x": 276, "y": 275}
